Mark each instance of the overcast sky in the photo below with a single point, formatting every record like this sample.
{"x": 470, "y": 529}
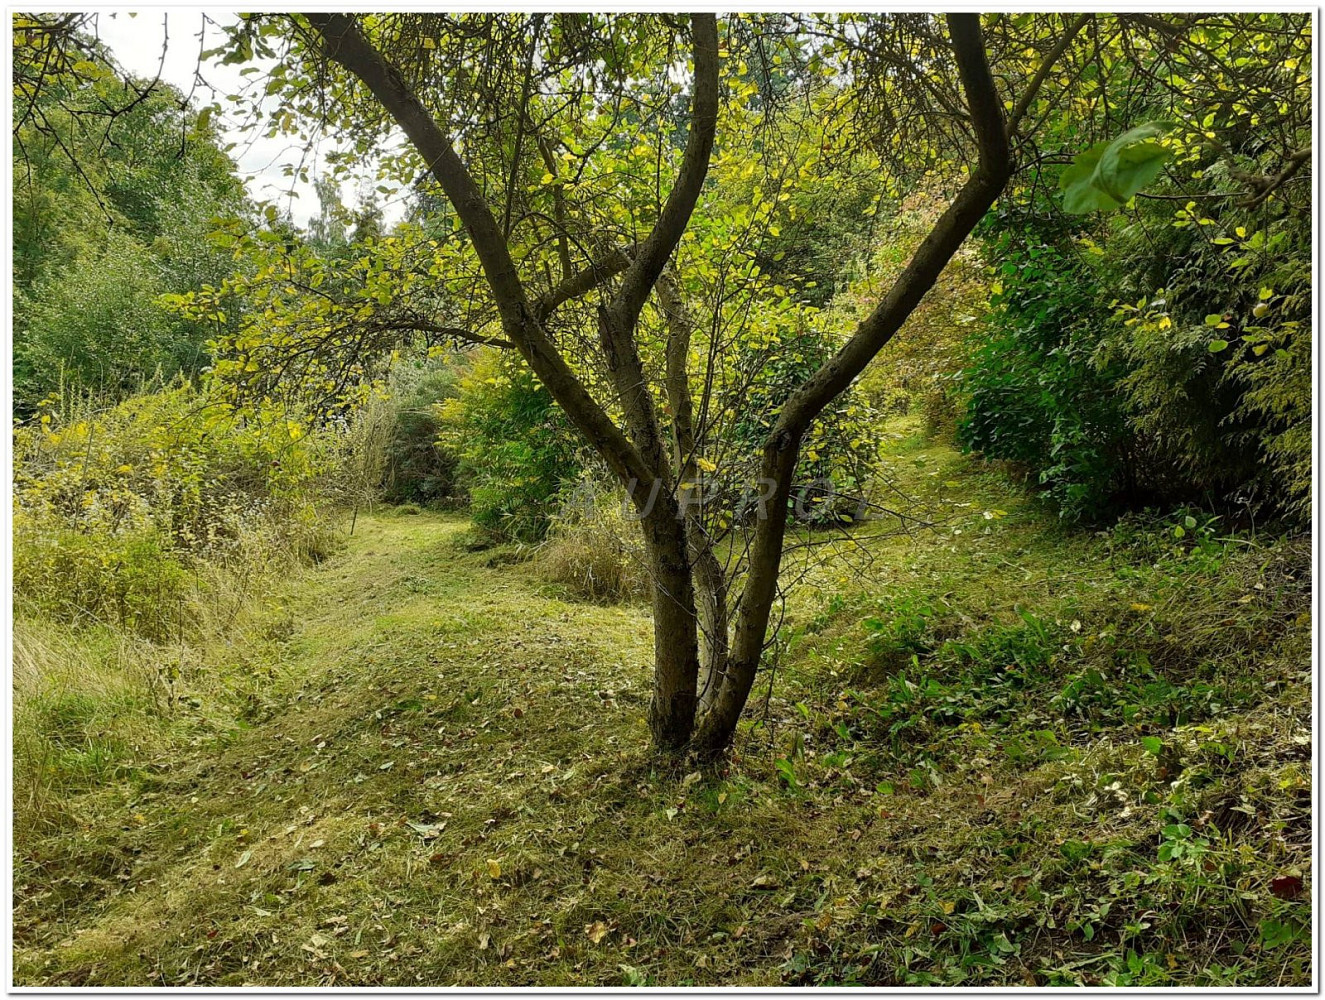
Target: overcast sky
{"x": 137, "y": 44}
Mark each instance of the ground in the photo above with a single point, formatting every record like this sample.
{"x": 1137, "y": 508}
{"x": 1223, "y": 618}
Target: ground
{"x": 995, "y": 749}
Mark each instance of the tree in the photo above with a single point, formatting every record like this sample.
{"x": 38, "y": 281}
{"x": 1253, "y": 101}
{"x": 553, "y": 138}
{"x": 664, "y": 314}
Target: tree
{"x": 116, "y": 181}
{"x": 519, "y": 121}
{"x": 686, "y": 711}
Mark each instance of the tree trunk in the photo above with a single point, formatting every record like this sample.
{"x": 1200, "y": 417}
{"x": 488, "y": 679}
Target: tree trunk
{"x": 723, "y": 710}
{"x": 675, "y": 635}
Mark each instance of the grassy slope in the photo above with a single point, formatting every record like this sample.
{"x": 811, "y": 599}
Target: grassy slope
{"x": 443, "y": 778}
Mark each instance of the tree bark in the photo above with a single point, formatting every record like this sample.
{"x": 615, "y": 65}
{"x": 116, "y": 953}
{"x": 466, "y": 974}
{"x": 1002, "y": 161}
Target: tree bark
{"x": 709, "y": 580}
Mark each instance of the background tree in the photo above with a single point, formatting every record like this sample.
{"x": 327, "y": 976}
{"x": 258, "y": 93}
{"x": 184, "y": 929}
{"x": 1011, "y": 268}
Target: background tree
{"x": 116, "y": 183}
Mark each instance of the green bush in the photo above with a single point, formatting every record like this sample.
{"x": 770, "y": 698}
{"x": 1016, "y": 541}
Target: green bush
{"x": 132, "y": 580}
{"x": 1213, "y": 329}
{"x": 116, "y": 513}
{"x": 515, "y": 447}
{"x": 1032, "y": 392}
{"x": 418, "y": 468}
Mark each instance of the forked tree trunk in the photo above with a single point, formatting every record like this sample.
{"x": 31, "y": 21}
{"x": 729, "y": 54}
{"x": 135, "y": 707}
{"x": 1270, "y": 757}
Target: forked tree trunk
{"x": 690, "y": 593}
{"x": 675, "y": 636}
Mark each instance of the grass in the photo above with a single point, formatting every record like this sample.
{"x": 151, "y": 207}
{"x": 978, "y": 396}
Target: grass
{"x": 993, "y": 751}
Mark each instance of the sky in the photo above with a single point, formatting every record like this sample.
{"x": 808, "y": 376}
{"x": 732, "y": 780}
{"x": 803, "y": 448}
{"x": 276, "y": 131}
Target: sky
{"x": 137, "y": 43}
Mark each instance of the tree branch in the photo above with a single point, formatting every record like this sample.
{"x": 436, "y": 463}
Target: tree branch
{"x": 1041, "y": 74}
{"x": 583, "y": 282}
{"x": 681, "y": 200}
{"x": 345, "y": 44}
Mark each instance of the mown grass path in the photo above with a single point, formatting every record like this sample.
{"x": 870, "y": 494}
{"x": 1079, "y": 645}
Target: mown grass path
{"x": 426, "y": 768}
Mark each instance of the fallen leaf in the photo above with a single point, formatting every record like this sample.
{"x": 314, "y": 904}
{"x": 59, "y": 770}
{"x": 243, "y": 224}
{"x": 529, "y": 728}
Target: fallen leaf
{"x": 595, "y": 931}
{"x": 765, "y": 881}
{"x": 494, "y": 867}
{"x": 428, "y": 831}
{"x": 244, "y": 859}
{"x": 1286, "y": 886}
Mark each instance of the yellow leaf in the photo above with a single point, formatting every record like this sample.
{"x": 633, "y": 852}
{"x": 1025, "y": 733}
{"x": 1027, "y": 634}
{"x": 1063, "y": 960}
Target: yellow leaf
{"x": 494, "y": 867}
{"x": 948, "y": 907}
{"x": 706, "y": 465}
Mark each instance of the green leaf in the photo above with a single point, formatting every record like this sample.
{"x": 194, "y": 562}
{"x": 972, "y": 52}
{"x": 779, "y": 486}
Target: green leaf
{"x": 1152, "y": 744}
{"x": 1080, "y": 193}
{"x": 1108, "y": 174}
{"x": 1215, "y": 346}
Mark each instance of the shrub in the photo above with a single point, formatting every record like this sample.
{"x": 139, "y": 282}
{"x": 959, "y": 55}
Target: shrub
{"x": 593, "y": 551}
{"x": 418, "y": 469}
{"x": 514, "y": 446}
{"x": 1032, "y": 393}
{"x": 117, "y": 512}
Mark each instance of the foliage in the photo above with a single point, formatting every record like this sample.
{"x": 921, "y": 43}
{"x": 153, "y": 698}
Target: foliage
{"x": 1109, "y": 174}
{"x": 417, "y": 469}
{"x": 1032, "y": 392}
{"x": 1215, "y": 348}
{"x": 115, "y": 508}
{"x": 514, "y": 447}
{"x": 113, "y": 197}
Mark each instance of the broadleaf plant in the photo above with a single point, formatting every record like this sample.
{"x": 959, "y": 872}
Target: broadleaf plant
{"x": 1108, "y": 174}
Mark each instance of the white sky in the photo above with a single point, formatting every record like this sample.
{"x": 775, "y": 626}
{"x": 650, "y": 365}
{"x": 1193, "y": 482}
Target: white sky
{"x": 137, "y": 45}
